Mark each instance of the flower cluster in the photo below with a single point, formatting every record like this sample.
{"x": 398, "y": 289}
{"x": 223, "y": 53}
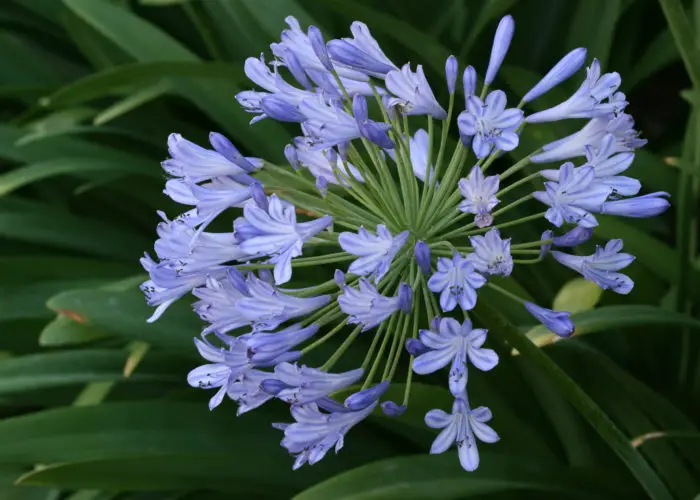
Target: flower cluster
{"x": 417, "y": 227}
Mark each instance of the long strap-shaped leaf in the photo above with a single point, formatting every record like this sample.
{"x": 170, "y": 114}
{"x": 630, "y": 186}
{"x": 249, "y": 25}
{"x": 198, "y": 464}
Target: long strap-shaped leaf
{"x": 605, "y": 427}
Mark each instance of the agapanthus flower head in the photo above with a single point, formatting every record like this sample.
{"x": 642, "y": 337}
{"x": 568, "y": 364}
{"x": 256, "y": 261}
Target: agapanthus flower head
{"x": 383, "y": 211}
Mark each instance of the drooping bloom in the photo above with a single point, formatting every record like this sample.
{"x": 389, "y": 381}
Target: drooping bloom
{"x": 314, "y": 432}
{"x": 361, "y": 53}
{"x": 273, "y": 231}
{"x": 647, "y": 205}
{"x": 453, "y": 343}
{"x": 491, "y": 254}
{"x": 601, "y": 267}
{"x": 456, "y": 280}
{"x": 296, "y": 384}
{"x": 588, "y": 101}
{"x": 462, "y": 427}
{"x": 413, "y": 93}
{"x": 196, "y": 164}
{"x": 367, "y": 307}
{"x": 375, "y": 251}
{"x": 575, "y": 237}
{"x": 479, "y": 196}
{"x": 556, "y": 321}
{"x": 574, "y": 197}
{"x": 490, "y": 123}
{"x": 236, "y": 301}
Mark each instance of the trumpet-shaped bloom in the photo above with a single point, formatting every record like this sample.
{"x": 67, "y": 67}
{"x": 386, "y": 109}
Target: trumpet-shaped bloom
{"x": 453, "y": 343}
{"x": 376, "y": 252}
{"x": 361, "y": 52}
{"x": 367, "y": 307}
{"x": 456, "y": 280}
{"x": 490, "y": 124}
{"x": 273, "y": 231}
{"x": 328, "y": 164}
{"x": 558, "y": 322}
{"x": 479, "y": 196}
{"x": 412, "y": 93}
{"x": 574, "y": 197}
{"x": 462, "y": 427}
{"x": 491, "y": 254}
{"x": 601, "y": 267}
{"x": 296, "y": 384}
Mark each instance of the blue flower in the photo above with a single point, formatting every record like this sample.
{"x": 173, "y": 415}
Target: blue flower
{"x": 296, "y": 384}
{"x": 574, "y": 197}
{"x": 235, "y": 302}
{"x": 490, "y": 123}
{"x": 209, "y": 199}
{"x": 327, "y": 124}
{"x": 197, "y": 164}
{"x": 601, "y": 266}
{"x": 454, "y": 343}
{"x": 563, "y": 70}
{"x": 274, "y": 231}
{"x": 280, "y": 109}
{"x": 314, "y": 432}
{"x": 461, "y": 427}
{"x": 479, "y": 196}
{"x": 266, "y": 349}
{"x": 421, "y": 251}
{"x": 367, "y": 307}
{"x": 324, "y": 164}
{"x": 451, "y": 69}
{"x": 418, "y": 152}
{"x": 361, "y": 53}
{"x": 412, "y": 93}
{"x": 392, "y": 409}
{"x": 318, "y": 45}
{"x": 621, "y": 126}
{"x": 362, "y": 399}
{"x": 376, "y": 252}
{"x": 469, "y": 81}
{"x": 491, "y": 254}
{"x": 457, "y": 280}
{"x": 648, "y": 205}
{"x": 501, "y": 43}
{"x": 575, "y": 237}
{"x": 588, "y": 101}
{"x": 607, "y": 164}
{"x": 246, "y": 391}
{"x": 558, "y": 322}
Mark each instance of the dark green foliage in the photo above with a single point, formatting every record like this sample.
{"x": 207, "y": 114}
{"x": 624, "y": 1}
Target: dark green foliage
{"x": 94, "y": 403}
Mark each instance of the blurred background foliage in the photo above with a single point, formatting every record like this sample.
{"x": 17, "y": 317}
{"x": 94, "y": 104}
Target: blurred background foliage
{"x": 93, "y": 400}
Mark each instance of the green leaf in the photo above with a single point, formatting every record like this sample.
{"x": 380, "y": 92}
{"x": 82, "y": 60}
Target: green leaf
{"x": 68, "y": 231}
{"x": 660, "y": 52}
{"x": 578, "y": 294}
{"x": 602, "y": 424}
{"x": 64, "y": 330}
{"x": 28, "y": 174}
{"x": 120, "y": 78}
{"x": 124, "y": 314}
{"x": 29, "y": 301}
{"x": 153, "y": 445}
{"x": 129, "y": 32}
{"x": 133, "y": 101}
{"x": 593, "y": 26}
{"x": 684, "y": 36}
{"x": 42, "y": 371}
{"x": 441, "y": 477}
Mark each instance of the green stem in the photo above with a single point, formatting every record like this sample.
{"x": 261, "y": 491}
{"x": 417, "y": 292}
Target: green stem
{"x": 505, "y": 292}
{"x": 304, "y": 261}
{"x": 326, "y": 337}
{"x": 518, "y": 183}
{"x": 341, "y": 350}
{"x": 521, "y": 164}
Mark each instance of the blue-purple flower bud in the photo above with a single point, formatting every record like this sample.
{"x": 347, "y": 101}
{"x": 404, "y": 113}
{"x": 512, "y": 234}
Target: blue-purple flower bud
{"x": 272, "y": 386}
{"x": 322, "y": 185}
{"x": 648, "y": 205}
{"x": 267, "y": 276}
{"x": 546, "y": 247}
{"x": 392, "y": 409}
{"x": 297, "y": 71}
{"x": 451, "y": 69}
{"x": 258, "y": 194}
{"x": 363, "y": 399}
{"x": 435, "y": 323}
{"x": 415, "y": 347}
{"x": 339, "y": 277}
{"x": 574, "y": 237}
{"x": 318, "y": 44}
{"x": 469, "y": 81}
{"x": 422, "y": 253}
{"x": 290, "y": 152}
{"x": 556, "y": 321}
{"x": 224, "y": 147}
{"x": 405, "y": 297}
{"x": 501, "y": 43}
{"x": 280, "y": 110}
{"x": 567, "y": 66}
